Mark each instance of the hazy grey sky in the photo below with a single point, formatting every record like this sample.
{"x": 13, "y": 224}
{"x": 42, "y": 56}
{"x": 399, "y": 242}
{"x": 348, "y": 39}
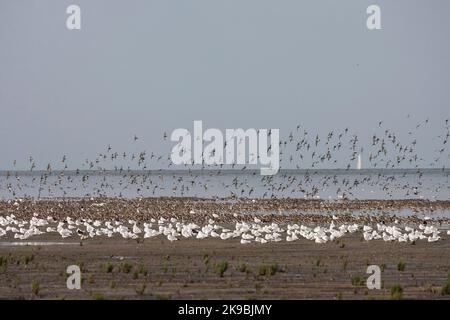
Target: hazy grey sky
{"x": 148, "y": 67}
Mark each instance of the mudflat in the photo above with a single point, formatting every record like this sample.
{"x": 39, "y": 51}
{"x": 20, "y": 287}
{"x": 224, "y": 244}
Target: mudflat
{"x": 116, "y": 268}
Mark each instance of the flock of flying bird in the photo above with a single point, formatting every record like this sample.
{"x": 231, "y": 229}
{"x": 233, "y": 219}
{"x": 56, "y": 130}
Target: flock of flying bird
{"x": 107, "y": 176}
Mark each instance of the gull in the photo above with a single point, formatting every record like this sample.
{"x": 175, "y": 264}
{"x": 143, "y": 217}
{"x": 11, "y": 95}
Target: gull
{"x": 258, "y": 239}
{"x": 89, "y": 228}
{"x": 171, "y": 238}
{"x": 166, "y": 231}
{"x": 332, "y": 236}
{"x": 136, "y": 229}
{"x": 396, "y": 233}
{"x": 214, "y": 234}
{"x": 150, "y": 233}
{"x": 433, "y": 238}
{"x": 65, "y": 233}
{"x": 147, "y": 225}
{"x": 225, "y": 235}
{"x": 291, "y": 238}
{"x": 375, "y": 235}
{"x": 97, "y": 223}
{"x": 247, "y": 236}
{"x": 201, "y": 235}
{"x": 243, "y": 241}
{"x": 276, "y": 239}
{"x": 276, "y": 235}
{"x": 186, "y": 232}
{"x": 429, "y": 230}
{"x": 412, "y": 236}
{"x": 332, "y": 226}
{"x": 387, "y": 237}
{"x": 108, "y": 225}
{"x": 268, "y": 237}
{"x": 319, "y": 240}
{"x": 256, "y": 232}
{"x": 367, "y": 236}
{"x": 194, "y": 226}
{"x": 352, "y": 228}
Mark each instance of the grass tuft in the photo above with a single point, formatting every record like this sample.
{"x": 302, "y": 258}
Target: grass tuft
{"x": 396, "y": 292}
{"x": 401, "y": 266}
{"x": 268, "y": 270}
{"x": 221, "y": 267}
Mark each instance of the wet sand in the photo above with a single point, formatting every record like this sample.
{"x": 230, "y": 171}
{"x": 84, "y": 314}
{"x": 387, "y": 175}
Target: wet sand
{"x": 190, "y": 269}
{"x": 155, "y": 268}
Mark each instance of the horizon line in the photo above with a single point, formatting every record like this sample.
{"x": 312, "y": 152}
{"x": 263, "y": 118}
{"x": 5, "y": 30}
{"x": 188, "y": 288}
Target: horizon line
{"x": 217, "y": 171}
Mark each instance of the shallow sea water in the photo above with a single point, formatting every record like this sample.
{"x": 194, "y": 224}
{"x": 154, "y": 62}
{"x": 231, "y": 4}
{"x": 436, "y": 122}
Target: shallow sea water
{"x": 431, "y": 184}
